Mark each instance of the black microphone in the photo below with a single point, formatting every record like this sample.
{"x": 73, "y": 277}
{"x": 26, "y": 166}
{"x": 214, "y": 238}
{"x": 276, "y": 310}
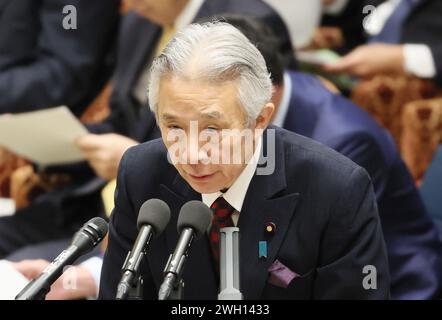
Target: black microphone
{"x": 193, "y": 221}
{"x": 153, "y": 217}
{"x": 83, "y": 241}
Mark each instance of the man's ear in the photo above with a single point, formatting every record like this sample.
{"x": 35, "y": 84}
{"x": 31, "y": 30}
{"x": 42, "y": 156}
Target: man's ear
{"x": 265, "y": 117}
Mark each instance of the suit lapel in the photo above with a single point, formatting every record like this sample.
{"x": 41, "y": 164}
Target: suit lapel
{"x": 199, "y": 264}
{"x": 176, "y": 197}
{"x": 265, "y": 202}
{"x": 252, "y": 230}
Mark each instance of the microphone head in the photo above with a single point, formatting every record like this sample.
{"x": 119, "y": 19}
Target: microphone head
{"x": 196, "y": 215}
{"x": 154, "y": 212}
{"x": 90, "y": 234}
{"x": 99, "y": 225}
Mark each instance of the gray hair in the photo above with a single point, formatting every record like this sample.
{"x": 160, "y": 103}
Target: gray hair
{"x": 215, "y": 52}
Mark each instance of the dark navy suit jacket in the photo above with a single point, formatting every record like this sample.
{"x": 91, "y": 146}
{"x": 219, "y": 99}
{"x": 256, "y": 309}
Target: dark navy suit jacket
{"x": 413, "y": 246}
{"x": 43, "y": 65}
{"x": 323, "y": 205}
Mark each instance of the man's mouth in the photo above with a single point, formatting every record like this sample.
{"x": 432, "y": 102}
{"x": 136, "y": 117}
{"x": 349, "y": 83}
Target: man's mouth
{"x": 200, "y": 177}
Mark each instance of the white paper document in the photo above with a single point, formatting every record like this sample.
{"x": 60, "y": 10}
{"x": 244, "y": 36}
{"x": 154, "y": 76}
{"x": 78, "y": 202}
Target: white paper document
{"x": 317, "y": 57}
{"x": 45, "y": 137}
{"x": 11, "y": 281}
{"x": 7, "y": 207}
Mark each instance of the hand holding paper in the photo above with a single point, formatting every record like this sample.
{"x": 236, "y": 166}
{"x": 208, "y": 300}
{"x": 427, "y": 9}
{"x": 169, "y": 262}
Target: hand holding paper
{"x": 104, "y": 152}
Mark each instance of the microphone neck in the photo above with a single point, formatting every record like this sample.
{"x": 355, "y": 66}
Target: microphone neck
{"x": 181, "y": 251}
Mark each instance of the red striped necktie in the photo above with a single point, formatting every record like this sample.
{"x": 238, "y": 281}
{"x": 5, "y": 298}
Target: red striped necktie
{"x": 222, "y": 218}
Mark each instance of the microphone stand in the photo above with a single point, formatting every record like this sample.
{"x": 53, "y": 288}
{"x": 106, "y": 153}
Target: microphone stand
{"x": 173, "y": 282}
{"x": 176, "y": 292}
{"x": 135, "y": 291}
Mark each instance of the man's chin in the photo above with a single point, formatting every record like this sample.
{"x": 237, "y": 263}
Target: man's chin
{"x": 203, "y": 187}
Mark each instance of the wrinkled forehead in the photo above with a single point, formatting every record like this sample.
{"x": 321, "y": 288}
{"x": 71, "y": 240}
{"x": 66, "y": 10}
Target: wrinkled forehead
{"x": 211, "y": 100}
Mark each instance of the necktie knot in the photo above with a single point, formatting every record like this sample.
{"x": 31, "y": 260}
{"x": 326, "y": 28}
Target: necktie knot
{"x": 222, "y": 210}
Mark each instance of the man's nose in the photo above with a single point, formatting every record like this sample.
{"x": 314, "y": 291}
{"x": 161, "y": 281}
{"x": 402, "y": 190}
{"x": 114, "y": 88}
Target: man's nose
{"x": 196, "y": 154}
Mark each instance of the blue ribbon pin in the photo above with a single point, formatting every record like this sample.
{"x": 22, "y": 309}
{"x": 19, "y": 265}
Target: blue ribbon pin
{"x": 263, "y": 249}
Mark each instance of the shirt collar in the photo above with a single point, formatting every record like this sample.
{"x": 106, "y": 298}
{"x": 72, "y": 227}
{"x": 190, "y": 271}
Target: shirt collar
{"x": 188, "y": 14}
{"x": 237, "y": 192}
{"x": 283, "y": 108}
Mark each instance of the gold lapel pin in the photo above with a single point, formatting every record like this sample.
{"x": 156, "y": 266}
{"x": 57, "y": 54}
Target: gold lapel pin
{"x": 270, "y": 228}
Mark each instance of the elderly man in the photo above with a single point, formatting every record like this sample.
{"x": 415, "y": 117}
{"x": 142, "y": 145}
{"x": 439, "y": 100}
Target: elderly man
{"x": 211, "y": 79}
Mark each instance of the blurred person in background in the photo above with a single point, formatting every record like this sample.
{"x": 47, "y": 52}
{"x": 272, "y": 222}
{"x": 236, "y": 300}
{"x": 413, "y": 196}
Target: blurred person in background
{"x": 43, "y": 64}
{"x": 341, "y": 23}
{"x": 403, "y": 38}
{"x": 301, "y": 17}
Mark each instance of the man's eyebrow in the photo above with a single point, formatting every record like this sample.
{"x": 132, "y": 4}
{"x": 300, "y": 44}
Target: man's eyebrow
{"x": 208, "y": 115}
{"x": 168, "y": 116}
{"x": 212, "y": 115}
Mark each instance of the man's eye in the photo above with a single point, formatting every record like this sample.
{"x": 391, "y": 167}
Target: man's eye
{"x": 212, "y": 129}
{"x": 174, "y": 127}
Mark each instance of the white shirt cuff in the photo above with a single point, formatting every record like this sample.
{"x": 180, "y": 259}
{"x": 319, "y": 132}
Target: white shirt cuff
{"x": 336, "y": 7}
{"x": 93, "y": 265}
{"x": 419, "y": 60}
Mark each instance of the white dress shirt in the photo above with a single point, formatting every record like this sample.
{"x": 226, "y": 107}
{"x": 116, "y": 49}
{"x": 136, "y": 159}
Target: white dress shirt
{"x": 419, "y": 60}
{"x": 283, "y": 108}
{"x": 237, "y": 192}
